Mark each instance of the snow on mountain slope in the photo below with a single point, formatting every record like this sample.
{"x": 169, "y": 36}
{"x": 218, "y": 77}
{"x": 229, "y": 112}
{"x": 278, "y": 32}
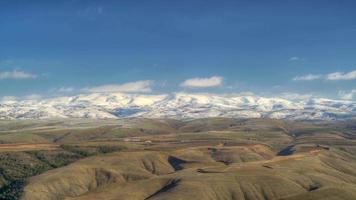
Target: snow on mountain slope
{"x": 178, "y": 105}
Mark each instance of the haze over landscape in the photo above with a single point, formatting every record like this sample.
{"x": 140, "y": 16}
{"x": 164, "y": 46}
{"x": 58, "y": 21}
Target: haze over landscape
{"x": 172, "y": 100}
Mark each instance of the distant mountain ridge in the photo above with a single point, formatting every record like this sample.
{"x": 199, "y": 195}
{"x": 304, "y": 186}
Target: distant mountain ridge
{"x": 177, "y": 105}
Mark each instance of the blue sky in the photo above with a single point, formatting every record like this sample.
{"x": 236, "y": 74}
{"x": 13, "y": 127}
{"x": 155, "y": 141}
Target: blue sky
{"x": 53, "y": 48}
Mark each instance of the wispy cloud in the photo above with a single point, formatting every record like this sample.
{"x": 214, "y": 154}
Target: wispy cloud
{"x": 341, "y": 76}
{"x": 33, "y": 97}
{"x": 91, "y": 12}
{"x": 17, "y": 75}
{"x": 62, "y": 90}
{"x": 335, "y": 76}
{"x": 347, "y": 95}
{"x": 296, "y": 96}
{"x": 213, "y": 81}
{"x": 307, "y": 77}
{"x": 8, "y": 98}
{"x": 65, "y": 89}
{"x": 7, "y": 62}
{"x": 295, "y": 58}
{"x": 138, "y": 86}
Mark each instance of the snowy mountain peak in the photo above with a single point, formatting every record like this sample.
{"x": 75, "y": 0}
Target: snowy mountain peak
{"x": 178, "y": 105}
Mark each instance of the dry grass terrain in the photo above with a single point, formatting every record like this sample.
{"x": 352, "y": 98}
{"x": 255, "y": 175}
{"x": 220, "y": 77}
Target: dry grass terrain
{"x": 212, "y": 159}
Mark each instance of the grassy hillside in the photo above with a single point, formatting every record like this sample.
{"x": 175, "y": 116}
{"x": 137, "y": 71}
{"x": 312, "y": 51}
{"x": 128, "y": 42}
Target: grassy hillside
{"x": 16, "y": 165}
{"x": 199, "y": 175}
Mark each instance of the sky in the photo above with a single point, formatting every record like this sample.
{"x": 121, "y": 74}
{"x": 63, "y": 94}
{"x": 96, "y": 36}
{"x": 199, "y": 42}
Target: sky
{"x": 269, "y": 48}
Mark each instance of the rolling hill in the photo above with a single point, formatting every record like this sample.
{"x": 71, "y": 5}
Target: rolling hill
{"x": 207, "y": 158}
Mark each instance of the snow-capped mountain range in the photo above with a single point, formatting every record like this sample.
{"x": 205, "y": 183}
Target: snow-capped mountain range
{"x": 177, "y": 105}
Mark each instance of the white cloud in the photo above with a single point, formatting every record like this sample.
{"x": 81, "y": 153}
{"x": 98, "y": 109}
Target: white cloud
{"x": 138, "y": 86}
{"x": 341, "y": 76}
{"x": 308, "y": 77}
{"x": 347, "y": 95}
{"x": 17, "y": 75}
{"x": 213, "y": 81}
